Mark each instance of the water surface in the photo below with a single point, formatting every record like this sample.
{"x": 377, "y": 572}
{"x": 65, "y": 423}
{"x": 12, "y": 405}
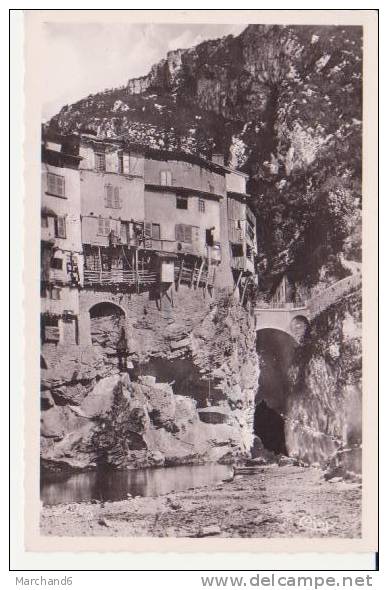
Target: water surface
{"x": 116, "y": 485}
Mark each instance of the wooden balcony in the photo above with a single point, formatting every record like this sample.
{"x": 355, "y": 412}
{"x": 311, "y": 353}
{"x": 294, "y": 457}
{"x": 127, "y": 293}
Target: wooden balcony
{"x": 243, "y": 263}
{"x": 195, "y": 277}
{"x": 128, "y": 278}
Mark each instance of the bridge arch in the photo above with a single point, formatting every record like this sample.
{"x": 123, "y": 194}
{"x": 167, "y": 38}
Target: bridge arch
{"x": 291, "y": 321}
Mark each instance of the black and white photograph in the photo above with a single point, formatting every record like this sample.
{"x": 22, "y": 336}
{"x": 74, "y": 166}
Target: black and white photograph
{"x": 201, "y": 279}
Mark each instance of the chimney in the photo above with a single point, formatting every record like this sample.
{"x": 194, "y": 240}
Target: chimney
{"x": 218, "y": 159}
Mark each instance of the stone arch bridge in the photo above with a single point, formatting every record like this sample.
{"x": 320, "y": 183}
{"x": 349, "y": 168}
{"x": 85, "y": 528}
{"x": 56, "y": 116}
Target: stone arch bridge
{"x": 293, "y": 319}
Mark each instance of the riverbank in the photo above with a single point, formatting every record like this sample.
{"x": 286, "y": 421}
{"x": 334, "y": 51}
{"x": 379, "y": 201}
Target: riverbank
{"x": 285, "y": 501}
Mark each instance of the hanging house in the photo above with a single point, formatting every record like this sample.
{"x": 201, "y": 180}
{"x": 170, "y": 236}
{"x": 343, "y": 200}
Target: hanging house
{"x": 61, "y": 246}
{"x": 120, "y": 219}
{"x": 183, "y": 196}
{"x": 241, "y": 231}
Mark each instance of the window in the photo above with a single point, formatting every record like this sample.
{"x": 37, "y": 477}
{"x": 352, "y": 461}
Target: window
{"x": 56, "y": 293}
{"x": 184, "y": 233}
{"x": 181, "y": 203}
{"x": 51, "y": 329}
{"x": 250, "y": 229}
{"x": 99, "y": 160}
{"x": 155, "y": 231}
{"x": 237, "y": 250}
{"x": 56, "y": 263}
{"x": 209, "y": 237}
{"x": 165, "y": 178}
{"x": 112, "y": 197}
{"x": 120, "y": 157}
{"x": 56, "y": 185}
{"x": 103, "y": 226}
{"x": 201, "y": 205}
{"x": 116, "y": 198}
{"x": 44, "y": 221}
{"x": 60, "y": 227}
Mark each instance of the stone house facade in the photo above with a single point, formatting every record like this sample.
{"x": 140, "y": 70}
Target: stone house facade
{"x": 121, "y": 222}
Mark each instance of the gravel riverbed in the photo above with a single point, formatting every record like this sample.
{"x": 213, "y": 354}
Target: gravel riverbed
{"x": 275, "y": 501}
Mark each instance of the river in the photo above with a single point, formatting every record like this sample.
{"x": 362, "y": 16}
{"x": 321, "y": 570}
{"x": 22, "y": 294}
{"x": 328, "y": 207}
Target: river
{"x": 108, "y": 485}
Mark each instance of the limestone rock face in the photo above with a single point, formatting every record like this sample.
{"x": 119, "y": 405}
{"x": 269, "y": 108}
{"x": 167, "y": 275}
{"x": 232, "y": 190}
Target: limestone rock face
{"x": 324, "y": 415}
{"x": 92, "y": 414}
{"x": 282, "y": 103}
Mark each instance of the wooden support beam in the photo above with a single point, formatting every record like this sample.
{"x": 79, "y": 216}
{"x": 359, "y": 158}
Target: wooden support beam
{"x": 137, "y": 269}
{"x": 180, "y": 274}
{"x": 245, "y": 288}
{"x": 238, "y": 281}
{"x": 100, "y": 261}
{"x": 207, "y": 277}
{"x": 200, "y": 272}
{"x": 192, "y": 276}
{"x": 214, "y": 280}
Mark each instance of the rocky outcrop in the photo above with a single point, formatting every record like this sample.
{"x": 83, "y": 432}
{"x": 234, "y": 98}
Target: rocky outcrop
{"x": 93, "y": 414}
{"x": 324, "y": 410}
{"x": 162, "y": 75}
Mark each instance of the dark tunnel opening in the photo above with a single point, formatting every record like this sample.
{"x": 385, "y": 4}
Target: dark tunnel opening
{"x": 268, "y": 425}
{"x": 276, "y": 351}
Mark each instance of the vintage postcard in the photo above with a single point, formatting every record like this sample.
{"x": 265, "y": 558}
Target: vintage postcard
{"x": 200, "y": 273}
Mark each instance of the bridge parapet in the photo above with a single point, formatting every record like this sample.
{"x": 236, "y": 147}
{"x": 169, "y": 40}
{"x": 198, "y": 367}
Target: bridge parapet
{"x": 289, "y": 317}
{"x": 323, "y": 300}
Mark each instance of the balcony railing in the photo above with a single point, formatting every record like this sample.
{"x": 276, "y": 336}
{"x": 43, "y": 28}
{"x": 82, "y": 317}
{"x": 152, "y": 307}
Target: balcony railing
{"x": 243, "y": 263}
{"x": 192, "y": 276}
{"x": 119, "y": 277}
{"x": 260, "y": 304}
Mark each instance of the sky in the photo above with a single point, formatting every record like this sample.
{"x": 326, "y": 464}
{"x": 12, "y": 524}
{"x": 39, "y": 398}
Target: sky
{"x": 82, "y": 59}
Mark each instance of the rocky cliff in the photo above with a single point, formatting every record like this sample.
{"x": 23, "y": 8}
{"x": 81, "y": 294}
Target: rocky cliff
{"x": 93, "y": 414}
{"x": 283, "y": 104}
{"x": 324, "y": 408}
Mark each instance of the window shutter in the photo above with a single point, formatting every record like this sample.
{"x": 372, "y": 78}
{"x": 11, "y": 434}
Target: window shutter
{"x": 165, "y": 178}
{"x": 61, "y": 186}
{"x": 179, "y": 233}
{"x": 99, "y": 162}
{"x": 188, "y": 234}
{"x": 108, "y": 195}
{"x": 106, "y": 227}
{"x": 61, "y": 227}
{"x": 155, "y": 231}
{"x": 120, "y": 162}
{"x": 51, "y": 183}
{"x": 56, "y": 185}
{"x": 117, "y": 197}
{"x": 100, "y": 226}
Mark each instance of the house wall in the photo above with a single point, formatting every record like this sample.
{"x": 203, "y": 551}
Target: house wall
{"x": 185, "y": 174}
{"x": 161, "y": 208}
{"x": 133, "y": 162}
{"x": 238, "y": 213}
{"x": 236, "y": 182}
{"x": 69, "y": 207}
{"x": 93, "y": 203}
